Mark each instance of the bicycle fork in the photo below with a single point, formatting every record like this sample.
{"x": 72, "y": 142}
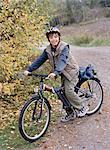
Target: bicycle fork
{"x": 41, "y": 103}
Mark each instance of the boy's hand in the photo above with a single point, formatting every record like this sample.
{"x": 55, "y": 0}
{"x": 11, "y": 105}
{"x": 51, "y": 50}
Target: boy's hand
{"x": 52, "y": 76}
{"x": 26, "y": 72}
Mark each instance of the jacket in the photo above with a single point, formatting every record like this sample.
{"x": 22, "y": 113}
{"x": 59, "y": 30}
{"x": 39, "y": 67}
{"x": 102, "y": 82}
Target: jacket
{"x": 60, "y": 59}
{"x": 71, "y": 66}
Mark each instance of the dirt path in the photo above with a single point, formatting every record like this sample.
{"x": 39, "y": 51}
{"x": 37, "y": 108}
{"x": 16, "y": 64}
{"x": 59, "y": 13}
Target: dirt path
{"x": 88, "y": 133}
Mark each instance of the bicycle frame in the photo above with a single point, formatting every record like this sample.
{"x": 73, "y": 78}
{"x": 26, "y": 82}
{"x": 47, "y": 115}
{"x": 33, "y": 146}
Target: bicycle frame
{"x": 59, "y": 91}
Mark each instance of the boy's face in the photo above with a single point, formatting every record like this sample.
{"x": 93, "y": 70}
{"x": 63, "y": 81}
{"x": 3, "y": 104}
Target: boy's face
{"x": 54, "y": 39}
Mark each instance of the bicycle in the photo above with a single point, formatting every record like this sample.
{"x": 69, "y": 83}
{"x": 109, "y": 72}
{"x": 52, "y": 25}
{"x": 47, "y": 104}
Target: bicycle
{"x": 35, "y": 115}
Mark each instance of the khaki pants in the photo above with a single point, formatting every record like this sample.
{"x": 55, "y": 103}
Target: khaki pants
{"x": 73, "y": 98}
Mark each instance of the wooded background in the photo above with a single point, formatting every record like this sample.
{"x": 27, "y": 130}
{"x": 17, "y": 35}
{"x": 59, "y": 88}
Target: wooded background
{"x": 74, "y": 11}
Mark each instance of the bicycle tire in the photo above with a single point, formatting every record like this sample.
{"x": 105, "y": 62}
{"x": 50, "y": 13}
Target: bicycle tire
{"x": 22, "y": 128}
{"x": 100, "y": 101}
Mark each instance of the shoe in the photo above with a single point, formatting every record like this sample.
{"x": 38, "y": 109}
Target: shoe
{"x": 83, "y": 111}
{"x": 68, "y": 117}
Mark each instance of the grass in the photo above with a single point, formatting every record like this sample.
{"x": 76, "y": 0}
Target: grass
{"x": 11, "y": 140}
{"x": 87, "y": 41}
{"x": 100, "y": 42}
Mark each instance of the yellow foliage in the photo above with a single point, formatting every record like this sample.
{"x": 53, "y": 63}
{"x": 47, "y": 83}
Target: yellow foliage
{"x": 22, "y": 24}
{"x": 8, "y": 88}
{"x": 20, "y": 32}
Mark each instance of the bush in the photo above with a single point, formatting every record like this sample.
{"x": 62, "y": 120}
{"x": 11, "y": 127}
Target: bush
{"x": 82, "y": 39}
{"x": 21, "y": 30}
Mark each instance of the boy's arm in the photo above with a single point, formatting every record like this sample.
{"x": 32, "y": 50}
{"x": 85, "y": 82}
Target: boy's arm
{"x": 38, "y": 62}
{"x": 62, "y": 62}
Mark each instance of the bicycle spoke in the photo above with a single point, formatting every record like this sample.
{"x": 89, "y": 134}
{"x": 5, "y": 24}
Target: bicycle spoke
{"x": 93, "y": 92}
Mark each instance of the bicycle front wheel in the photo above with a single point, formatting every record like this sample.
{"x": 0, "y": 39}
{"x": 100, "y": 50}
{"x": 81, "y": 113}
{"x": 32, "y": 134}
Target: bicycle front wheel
{"x": 34, "y": 119}
{"x": 93, "y": 91}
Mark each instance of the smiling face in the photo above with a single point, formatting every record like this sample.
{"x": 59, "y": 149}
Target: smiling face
{"x": 54, "y": 39}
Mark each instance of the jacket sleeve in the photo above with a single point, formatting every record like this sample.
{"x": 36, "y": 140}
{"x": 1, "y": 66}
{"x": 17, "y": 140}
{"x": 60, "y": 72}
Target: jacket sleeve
{"x": 62, "y": 62}
{"x": 38, "y": 62}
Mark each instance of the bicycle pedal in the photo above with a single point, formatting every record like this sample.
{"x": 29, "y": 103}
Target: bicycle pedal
{"x": 81, "y": 95}
{"x": 88, "y": 95}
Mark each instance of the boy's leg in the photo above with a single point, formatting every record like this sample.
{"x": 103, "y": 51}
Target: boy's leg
{"x": 73, "y": 98}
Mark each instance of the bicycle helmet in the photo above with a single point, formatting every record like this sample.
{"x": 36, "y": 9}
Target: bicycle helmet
{"x": 53, "y": 30}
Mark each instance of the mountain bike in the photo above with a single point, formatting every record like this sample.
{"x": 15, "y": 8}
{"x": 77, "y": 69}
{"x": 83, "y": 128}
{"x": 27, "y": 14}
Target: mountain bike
{"x": 35, "y": 115}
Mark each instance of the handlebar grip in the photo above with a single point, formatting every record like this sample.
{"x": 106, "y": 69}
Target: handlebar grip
{"x": 30, "y": 74}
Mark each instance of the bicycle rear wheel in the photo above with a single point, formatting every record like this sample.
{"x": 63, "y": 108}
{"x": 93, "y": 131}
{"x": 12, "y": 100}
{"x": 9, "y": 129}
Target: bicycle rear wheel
{"x": 34, "y": 119}
{"x": 93, "y": 91}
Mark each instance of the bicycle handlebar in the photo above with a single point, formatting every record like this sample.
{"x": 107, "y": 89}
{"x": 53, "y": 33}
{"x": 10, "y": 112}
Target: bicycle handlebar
{"x": 38, "y": 75}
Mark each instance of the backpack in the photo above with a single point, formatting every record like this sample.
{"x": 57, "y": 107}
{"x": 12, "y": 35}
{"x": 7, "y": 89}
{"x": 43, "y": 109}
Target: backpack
{"x": 86, "y": 72}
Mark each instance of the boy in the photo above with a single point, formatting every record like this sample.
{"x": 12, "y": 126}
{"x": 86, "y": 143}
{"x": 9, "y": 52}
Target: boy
{"x": 64, "y": 64}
